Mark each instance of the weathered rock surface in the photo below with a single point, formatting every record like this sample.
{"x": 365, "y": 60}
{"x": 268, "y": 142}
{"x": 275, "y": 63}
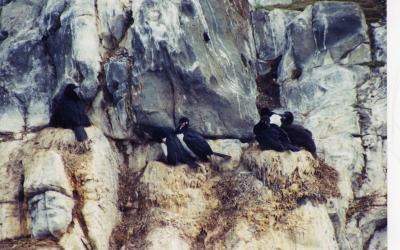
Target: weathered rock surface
{"x": 317, "y": 37}
{"x": 26, "y": 77}
{"x": 379, "y": 34}
{"x": 324, "y": 79}
{"x": 45, "y": 171}
{"x": 61, "y": 189}
{"x": 310, "y": 236}
{"x": 269, "y": 35}
{"x": 172, "y": 46}
{"x": 257, "y": 3}
{"x": 180, "y": 208}
{"x": 50, "y": 214}
{"x": 379, "y": 240}
{"x": 315, "y": 99}
{"x": 149, "y": 62}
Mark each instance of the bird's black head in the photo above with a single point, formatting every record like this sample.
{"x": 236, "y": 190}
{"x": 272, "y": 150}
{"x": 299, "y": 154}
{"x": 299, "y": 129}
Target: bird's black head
{"x": 183, "y": 124}
{"x": 265, "y": 120}
{"x": 72, "y": 91}
{"x": 266, "y": 112}
{"x": 287, "y": 118}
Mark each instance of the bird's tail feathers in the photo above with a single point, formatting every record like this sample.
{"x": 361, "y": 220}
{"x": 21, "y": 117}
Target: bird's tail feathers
{"x": 314, "y": 154}
{"x": 226, "y": 157}
{"x": 80, "y": 133}
{"x": 194, "y": 165}
{"x": 292, "y": 148}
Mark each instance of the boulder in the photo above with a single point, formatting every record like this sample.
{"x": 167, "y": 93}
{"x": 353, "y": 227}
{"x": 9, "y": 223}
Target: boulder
{"x": 50, "y": 213}
{"x": 61, "y": 176}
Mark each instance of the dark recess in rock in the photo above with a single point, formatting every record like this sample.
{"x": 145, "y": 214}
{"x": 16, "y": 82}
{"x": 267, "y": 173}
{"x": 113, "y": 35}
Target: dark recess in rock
{"x": 206, "y": 37}
{"x": 187, "y": 8}
{"x": 3, "y": 35}
{"x": 268, "y": 88}
{"x": 296, "y": 73}
{"x": 243, "y": 60}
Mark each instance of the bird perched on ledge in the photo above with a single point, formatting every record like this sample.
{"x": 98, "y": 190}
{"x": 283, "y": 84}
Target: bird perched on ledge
{"x": 271, "y": 137}
{"x": 194, "y": 142}
{"x": 172, "y": 148}
{"x": 69, "y": 112}
{"x": 299, "y": 135}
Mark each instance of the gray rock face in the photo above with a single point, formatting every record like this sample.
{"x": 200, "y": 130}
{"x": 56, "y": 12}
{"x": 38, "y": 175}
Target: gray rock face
{"x": 316, "y": 103}
{"x": 379, "y": 42}
{"x": 269, "y": 35}
{"x": 379, "y": 241}
{"x": 257, "y": 3}
{"x": 48, "y": 44}
{"x": 342, "y": 103}
{"x": 113, "y": 22}
{"x": 26, "y": 75}
{"x": 50, "y": 213}
{"x": 188, "y": 61}
{"x": 184, "y": 60}
{"x": 338, "y": 27}
{"x": 150, "y": 62}
{"x": 371, "y": 97}
{"x": 115, "y": 115}
{"x": 74, "y": 46}
{"x": 325, "y": 33}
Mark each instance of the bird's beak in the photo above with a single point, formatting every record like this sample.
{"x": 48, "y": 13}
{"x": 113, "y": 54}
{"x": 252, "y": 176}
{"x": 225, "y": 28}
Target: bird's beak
{"x": 182, "y": 125}
{"x": 78, "y": 92}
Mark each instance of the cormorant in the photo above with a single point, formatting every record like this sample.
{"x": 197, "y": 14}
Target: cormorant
{"x": 172, "y": 148}
{"x": 270, "y": 136}
{"x": 69, "y": 112}
{"x": 298, "y": 135}
{"x": 194, "y": 142}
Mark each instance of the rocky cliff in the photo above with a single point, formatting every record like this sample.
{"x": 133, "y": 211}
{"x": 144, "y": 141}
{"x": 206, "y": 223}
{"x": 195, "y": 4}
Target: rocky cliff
{"x": 148, "y": 63}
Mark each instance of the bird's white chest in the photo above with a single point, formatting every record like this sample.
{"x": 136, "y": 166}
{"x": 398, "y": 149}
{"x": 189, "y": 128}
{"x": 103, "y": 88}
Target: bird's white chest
{"x": 164, "y": 147}
{"x": 276, "y": 119}
{"x": 180, "y": 137}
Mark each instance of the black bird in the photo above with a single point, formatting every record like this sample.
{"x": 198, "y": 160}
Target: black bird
{"x": 270, "y": 136}
{"x": 195, "y": 143}
{"x": 172, "y": 148}
{"x": 298, "y": 135}
{"x": 69, "y": 112}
